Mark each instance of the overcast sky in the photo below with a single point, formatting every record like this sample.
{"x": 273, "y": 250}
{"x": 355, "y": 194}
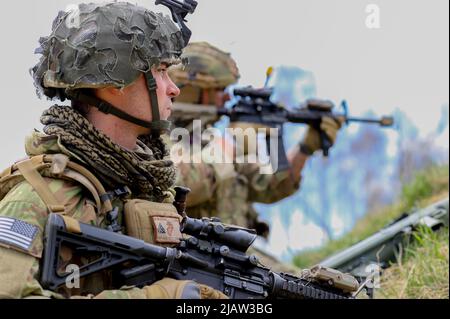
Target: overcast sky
{"x": 404, "y": 63}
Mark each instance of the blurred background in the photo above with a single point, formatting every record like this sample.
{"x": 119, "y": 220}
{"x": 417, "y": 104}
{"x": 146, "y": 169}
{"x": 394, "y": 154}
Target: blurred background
{"x": 399, "y": 69}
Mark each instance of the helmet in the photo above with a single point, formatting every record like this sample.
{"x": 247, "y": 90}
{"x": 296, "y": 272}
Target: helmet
{"x": 202, "y": 81}
{"x": 103, "y": 46}
{"x": 208, "y": 67}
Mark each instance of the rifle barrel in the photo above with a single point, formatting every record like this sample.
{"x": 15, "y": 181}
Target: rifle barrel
{"x": 356, "y": 119}
{"x": 384, "y": 121}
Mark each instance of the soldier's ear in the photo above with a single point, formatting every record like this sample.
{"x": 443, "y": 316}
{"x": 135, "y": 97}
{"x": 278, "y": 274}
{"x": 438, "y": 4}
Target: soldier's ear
{"x": 107, "y": 92}
{"x": 114, "y": 91}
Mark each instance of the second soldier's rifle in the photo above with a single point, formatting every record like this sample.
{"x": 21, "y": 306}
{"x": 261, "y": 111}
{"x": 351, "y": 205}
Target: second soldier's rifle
{"x": 255, "y": 106}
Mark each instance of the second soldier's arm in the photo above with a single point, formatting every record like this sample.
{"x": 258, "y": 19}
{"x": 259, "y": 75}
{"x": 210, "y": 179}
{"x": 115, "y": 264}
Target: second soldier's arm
{"x": 272, "y": 188}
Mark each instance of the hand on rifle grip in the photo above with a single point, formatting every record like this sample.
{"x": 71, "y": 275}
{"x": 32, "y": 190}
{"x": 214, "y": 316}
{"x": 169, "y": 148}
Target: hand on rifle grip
{"x": 325, "y": 143}
{"x": 322, "y": 137}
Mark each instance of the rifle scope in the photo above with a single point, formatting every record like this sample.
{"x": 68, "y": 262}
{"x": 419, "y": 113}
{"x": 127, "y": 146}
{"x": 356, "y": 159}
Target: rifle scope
{"x": 206, "y": 228}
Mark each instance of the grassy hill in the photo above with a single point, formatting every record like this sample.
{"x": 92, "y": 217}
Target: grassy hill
{"x": 423, "y": 269}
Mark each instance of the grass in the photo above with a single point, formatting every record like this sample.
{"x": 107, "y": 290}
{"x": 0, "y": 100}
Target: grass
{"x": 427, "y": 187}
{"x": 422, "y": 272}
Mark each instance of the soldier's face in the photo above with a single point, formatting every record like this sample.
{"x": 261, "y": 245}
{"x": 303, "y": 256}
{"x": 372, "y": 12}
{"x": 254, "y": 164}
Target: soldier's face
{"x": 134, "y": 99}
{"x": 166, "y": 91}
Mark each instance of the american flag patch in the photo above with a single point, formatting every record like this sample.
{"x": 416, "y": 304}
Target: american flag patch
{"x": 17, "y": 232}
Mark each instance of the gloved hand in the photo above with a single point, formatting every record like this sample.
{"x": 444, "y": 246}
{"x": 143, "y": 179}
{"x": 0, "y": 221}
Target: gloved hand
{"x": 207, "y": 292}
{"x": 168, "y": 288}
{"x": 262, "y": 228}
{"x": 311, "y": 142}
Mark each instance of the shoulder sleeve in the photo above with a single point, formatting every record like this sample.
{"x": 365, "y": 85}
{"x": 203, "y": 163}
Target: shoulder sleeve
{"x": 23, "y": 216}
{"x": 267, "y": 188}
{"x": 22, "y": 220}
{"x": 200, "y": 179}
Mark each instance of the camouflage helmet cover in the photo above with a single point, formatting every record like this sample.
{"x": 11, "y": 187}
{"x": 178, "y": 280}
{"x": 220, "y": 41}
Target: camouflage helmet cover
{"x": 208, "y": 67}
{"x": 110, "y": 45}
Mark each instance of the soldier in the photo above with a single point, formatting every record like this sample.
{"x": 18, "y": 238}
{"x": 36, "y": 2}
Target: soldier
{"x": 228, "y": 190}
{"x": 101, "y": 160}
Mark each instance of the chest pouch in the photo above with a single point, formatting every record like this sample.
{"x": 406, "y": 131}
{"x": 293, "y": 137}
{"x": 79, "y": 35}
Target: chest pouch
{"x": 155, "y": 223}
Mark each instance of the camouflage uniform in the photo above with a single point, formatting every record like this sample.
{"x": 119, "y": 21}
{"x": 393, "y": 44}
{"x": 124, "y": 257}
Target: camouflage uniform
{"x": 75, "y": 57}
{"x": 223, "y": 190}
{"x": 228, "y": 190}
{"x": 23, "y": 203}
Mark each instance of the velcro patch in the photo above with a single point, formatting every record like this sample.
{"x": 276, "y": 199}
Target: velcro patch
{"x": 166, "y": 230}
{"x": 17, "y": 233}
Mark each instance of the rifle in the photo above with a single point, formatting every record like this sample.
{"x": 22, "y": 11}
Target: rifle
{"x": 255, "y": 106}
{"x": 378, "y": 251}
{"x": 213, "y": 255}
{"x": 179, "y": 10}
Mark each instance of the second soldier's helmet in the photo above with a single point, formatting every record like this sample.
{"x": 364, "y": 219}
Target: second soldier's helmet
{"x": 99, "y": 46}
{"x": 209, "y": 67}
{"x": 202, "y": 82}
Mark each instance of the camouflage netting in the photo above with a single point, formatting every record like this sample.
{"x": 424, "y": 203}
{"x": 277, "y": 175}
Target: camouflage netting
{"x": 208, "y": 67}
{"x": 104, "y": 45}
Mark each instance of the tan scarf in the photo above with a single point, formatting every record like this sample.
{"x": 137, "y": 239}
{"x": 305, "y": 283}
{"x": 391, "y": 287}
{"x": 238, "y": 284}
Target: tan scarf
{"x": 148, "y": 174}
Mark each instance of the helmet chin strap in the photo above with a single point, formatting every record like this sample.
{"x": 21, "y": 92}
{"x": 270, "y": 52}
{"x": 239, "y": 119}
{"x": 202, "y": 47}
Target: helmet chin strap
{"x": 156, "y": 125}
